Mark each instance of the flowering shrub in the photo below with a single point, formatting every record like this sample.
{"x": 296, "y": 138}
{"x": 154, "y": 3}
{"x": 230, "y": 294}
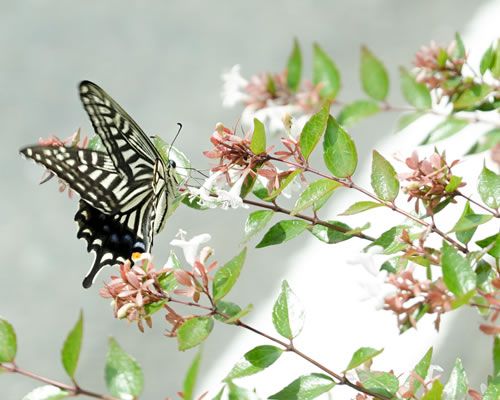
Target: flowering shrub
{"x": 431, "y": 271}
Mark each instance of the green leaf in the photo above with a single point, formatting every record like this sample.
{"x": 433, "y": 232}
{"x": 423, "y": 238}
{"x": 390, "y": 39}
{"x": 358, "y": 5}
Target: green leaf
{"x": 407, "y": 119}
{"x": 487, "y": 60}
{"x": 492, "y": 390}
{"x": 282, "y": 232}
{"x": 193, "y": 332}
{"x": 258, "y": 143}
{"x": 47, "y": 392}
{"x": 167, "y": 281}
{"x": 283, "y": 184}
{"x": 362, "y": 355}
{"x": 305, "y": 387}
{"x": 453, "y": 184}
{"x": 435, "y": 392}
{"x": 191, "y": 377}
{"x": 194, "y": 203}
{"x": 239, "y": 393}
{"x": 489, "y": 140}
{"x": 356, "y": 111}
{"x": 339, "y": 150}
{"x": 239, "y": 315}
{"x": 381, "y": 383}
{"x": 8, "y": 341}
{"x": 228, "y": 309}
{"x": 457, "y": 385}
{"x": 390, "y": 240}
{"x": 495, "y": 67}
{"x": 374, "y": 77}
{"x": 329, "y": 235}
{"x": 468, "y": 223}
{"x": 459, "y": 51}
{"x": 361, "y": 206}
{"x": 95, "y": 143}
{"x": 218, "y": 396}
{"x": 71, "y": 348}
{"x": 316, "y": 192}
{"x": 123, "y": 375}
{"x": 457, "y": 272}
{"x": 494, "y": 251}
{"x": 489, "y": 188}
{"x": 313, "y": 130}
{"x": 254, "y": 361}
{"x": 472, "y": 98}
{"x": 496, "y": 356}
{"x": 449, "y": 127}
{"x": 421, "y": 369}
{"x": 325, "y": 72}
{"x": 384, "y": 178}
{"x": 288, "y": 314}
{"x": 257, "y": 221}
{"x": 226, "y": 276}
{"x": 415, "y": 93}
{"x": 294, "y": 67}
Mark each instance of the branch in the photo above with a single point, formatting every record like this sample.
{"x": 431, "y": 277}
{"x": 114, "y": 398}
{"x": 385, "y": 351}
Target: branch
{"x": 73, "y": 390}
{"x": 312, "y": 220}
{"x": 341, "y": 380}
{"x": 351, "y": 185}
{"x": 496, "y": 214}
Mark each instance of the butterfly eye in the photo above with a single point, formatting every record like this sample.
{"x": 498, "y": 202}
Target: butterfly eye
{"x": 172, "y": 163}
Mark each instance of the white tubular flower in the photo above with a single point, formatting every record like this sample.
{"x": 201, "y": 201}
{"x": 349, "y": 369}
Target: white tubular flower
{"x": 233, "y": 89}
{"x": 231, "y": 198}
{"x": 190, "y": 247}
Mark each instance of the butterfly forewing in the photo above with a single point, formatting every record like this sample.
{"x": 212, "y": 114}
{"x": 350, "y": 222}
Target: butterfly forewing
{"x": 89, "y": 173}
{"x": 129, "y": 147}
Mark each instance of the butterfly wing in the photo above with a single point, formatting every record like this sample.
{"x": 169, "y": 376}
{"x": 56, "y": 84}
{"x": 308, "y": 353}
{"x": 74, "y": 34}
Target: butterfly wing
{"x": 131, "y": 150}
{"x": 114, "y": 238}
{"x": 89, "y": 173}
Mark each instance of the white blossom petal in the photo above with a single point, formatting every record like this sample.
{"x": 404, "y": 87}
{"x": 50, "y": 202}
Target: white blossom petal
{"x": 190, "y": 247}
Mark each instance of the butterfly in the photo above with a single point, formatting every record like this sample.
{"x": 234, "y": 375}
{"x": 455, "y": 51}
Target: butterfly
{"x": 125, "y": 191}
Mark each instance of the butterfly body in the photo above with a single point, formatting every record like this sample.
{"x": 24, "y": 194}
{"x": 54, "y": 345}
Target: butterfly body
{"x": 125, "y": 192}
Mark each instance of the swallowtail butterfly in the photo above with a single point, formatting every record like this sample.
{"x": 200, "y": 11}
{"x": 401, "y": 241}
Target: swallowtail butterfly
{"x": 125, "y": 192}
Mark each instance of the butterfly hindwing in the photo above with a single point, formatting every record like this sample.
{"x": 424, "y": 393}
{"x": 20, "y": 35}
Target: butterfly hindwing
{"x": 113, "y": 238}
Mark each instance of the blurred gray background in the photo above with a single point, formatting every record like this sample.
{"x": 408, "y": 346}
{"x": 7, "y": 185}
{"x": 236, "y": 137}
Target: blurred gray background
{"x": 162, "y": 61}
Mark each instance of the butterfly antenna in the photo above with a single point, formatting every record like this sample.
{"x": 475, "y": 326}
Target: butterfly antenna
{"x": 175, "y": 138}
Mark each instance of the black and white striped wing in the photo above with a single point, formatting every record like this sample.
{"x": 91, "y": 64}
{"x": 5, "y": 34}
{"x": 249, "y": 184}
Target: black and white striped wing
{"x": 89, "y": 173}
{"x": 114, "y": 238}
{"x": 131, "y": 150}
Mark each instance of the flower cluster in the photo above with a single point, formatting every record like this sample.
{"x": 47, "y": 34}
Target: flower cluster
{"x": 430, "y": 181}
{"x": 142, "y": 289}
{"x": 72, "y": 141}
{"x": 238, "y": 167}
{"x": 437, "y": 65}
{"x": 269, "y": 98}
{"x": 414, "y": 296}
{"x": 133, "y": 290}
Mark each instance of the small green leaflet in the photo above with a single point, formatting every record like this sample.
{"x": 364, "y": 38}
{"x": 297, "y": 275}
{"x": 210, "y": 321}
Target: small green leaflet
{"x": 415, "y": 93}
{"x": 254, "y": 361}
{"x": 123, "y": 375}
{"x": 71, "y": 348}
{"x": 8, "y": 341}
{"x": 325, "y": 72}
{"x": 227, "y": 275}
{"x": 361, "y": 206}
{"x": 193, "y": 332}
{"x": 384, "y": 178}
{"x": 294, "y": 67}
{"x": 362, "y": 355}
{"x": 306, "y": 387}
{"x": 288, "y": 314}
{"x": 374, "y": 77}
{"x": 282, "y": 232}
